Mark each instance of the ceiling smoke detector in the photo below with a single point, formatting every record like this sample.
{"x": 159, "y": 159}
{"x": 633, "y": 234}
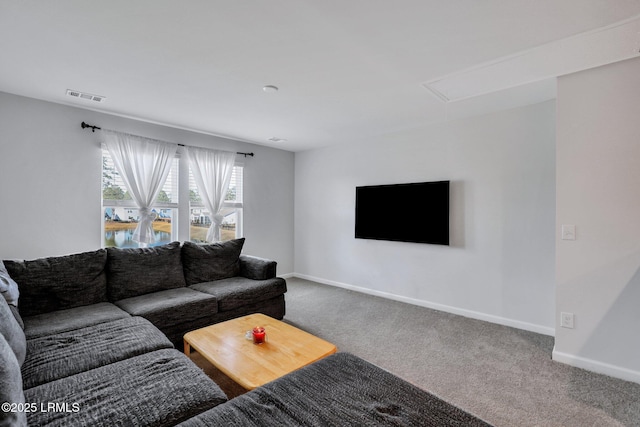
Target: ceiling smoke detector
{"x": 85, "y": 96}
{"x": 275, "y": 139}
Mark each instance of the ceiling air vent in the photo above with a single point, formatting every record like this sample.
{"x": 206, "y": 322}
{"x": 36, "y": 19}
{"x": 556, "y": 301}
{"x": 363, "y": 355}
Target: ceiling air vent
{"x": 86, "y": 96}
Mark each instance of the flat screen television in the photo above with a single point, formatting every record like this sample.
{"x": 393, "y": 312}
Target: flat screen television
{"x": 416, "y": 212}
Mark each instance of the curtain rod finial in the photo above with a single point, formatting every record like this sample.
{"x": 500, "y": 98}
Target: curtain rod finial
{"x": 85, "y": 125}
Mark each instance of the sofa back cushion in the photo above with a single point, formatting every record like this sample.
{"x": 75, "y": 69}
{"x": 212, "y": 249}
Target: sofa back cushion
{"x": 11, "y": 387}
{"x": 209, "y": 262}
{"x": 58, "y": 283}
{"x": 12, "y": 331}
{"x": 139, "y": 271}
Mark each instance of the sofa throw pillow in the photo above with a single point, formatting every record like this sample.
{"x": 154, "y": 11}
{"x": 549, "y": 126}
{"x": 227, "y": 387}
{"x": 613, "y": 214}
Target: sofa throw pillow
{"x": 209, "y": 262}
{"x": 11, "y": 330}
{"x": 8, "y": 287}
{"x": 10, "y": 386}
{"x": 139, "y": 271}
{"x": 59, "y": 283}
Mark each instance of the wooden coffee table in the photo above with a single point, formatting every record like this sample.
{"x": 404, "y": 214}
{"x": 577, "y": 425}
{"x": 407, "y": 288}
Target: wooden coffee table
{"x": 286, "y": 349}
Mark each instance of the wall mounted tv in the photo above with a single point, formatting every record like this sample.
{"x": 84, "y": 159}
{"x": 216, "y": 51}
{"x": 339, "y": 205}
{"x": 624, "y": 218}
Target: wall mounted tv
{"x": 416, "y": 212}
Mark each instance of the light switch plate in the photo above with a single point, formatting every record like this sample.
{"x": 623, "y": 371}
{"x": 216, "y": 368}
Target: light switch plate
{"x": 568, "y": 232}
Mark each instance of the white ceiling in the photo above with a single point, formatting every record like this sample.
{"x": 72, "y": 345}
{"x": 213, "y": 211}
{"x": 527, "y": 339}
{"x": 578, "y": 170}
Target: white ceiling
{"x": 348, "y": 70}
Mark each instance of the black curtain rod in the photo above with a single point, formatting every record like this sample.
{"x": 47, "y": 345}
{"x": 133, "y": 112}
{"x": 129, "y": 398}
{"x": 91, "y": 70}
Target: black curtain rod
{"x": 93, "y": 129}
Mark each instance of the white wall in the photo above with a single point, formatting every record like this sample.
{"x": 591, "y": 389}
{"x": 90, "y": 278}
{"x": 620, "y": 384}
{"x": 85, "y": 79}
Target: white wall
{"x": 598, "y": 190}
{"x": 500, "y": 265}
{"x": 50, "y": 167}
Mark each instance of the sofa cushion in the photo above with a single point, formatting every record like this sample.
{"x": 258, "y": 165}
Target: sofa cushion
{"x": 10, "y": 387}
{"x": 341, "y": 389}
{"x": 139, "y": 271}
{"x": 58, "y": 283}
{"x": 61, "y": 355}
{"x": 237, "y": 291}
{"x": 275, "y": 307}
{"x": 70, "y": 319}
{"x": 161, "y": 388}
{"x": 8, "y": 286}
{"x": 172, "y": 306}
{"x": 204, "y": 263}
{"x": 14, "y": 334}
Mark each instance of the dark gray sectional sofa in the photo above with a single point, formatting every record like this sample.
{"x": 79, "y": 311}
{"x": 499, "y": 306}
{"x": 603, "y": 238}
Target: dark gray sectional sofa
{"x": 92, "y": 344}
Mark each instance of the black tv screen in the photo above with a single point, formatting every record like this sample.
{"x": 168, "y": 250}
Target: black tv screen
{"x": 416, "y": 212}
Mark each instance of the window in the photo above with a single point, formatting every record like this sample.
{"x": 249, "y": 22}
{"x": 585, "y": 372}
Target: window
{"x": 120, "y": 215}
{"x": 200, "y": 217}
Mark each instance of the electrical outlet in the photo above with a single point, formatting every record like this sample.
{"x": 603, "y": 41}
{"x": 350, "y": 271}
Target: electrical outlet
{"x": 567, "y": 320}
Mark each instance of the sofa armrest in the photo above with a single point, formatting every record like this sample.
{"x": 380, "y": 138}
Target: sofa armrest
{"x": 256, "y": 268}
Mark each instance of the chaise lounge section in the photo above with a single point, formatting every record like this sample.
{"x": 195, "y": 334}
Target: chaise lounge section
{"x": 339, "y": 390}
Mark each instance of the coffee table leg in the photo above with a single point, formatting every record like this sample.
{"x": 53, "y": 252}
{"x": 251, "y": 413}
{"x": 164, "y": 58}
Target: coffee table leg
{"x": 187, "y": 348}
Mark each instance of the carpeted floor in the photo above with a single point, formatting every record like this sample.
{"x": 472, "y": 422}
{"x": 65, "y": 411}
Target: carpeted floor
{"x": 503, "y": 375}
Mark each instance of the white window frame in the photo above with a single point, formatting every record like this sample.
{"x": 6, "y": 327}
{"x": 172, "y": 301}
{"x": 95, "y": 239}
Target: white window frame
{"x": 181, "y": 209}
{"x": 237, "y": 205}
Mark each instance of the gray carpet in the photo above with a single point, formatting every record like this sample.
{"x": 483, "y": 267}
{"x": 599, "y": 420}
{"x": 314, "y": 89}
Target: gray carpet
{"x": 503, "y": 375}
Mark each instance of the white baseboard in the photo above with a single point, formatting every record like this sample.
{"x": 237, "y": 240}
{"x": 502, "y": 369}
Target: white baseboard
{"x": 595, "y": 366}
{"x": 544, "y": 330}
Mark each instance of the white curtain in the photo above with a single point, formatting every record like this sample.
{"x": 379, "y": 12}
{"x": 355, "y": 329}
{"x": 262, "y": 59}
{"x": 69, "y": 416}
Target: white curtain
{"x": 212, "y": 171}
{"x": 144, "y": 165}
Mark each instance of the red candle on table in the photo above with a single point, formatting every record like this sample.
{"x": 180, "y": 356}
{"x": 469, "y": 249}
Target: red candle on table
{"x": 258, "y": 335}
